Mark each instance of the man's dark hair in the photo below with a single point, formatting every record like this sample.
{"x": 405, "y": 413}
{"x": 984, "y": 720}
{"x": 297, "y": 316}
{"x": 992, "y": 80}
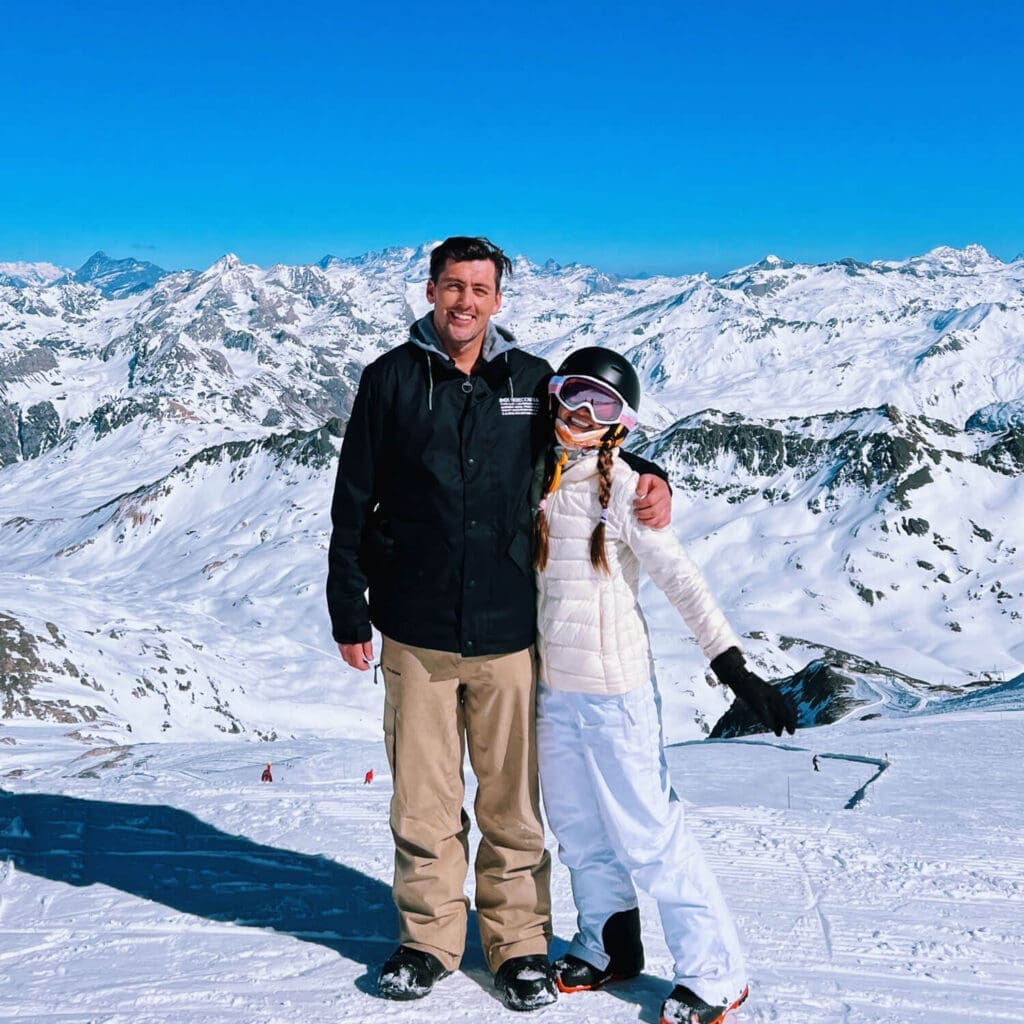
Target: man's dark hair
{"x": 462, "y": 248}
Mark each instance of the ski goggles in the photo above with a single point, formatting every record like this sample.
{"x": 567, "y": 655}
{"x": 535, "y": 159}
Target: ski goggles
{"x": 605, "y": 405}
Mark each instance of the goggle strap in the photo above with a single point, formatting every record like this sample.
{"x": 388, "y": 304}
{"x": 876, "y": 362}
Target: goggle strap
{"x": 556, "y": 476}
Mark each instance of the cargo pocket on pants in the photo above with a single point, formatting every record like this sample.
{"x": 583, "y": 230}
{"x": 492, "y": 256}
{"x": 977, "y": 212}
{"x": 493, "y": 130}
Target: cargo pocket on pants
{"x": 390, "y": 724}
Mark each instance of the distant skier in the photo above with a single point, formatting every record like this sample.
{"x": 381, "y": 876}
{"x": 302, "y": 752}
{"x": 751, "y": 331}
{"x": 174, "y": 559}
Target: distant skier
{"x": 266, "y": 776}
{"x": 607, "y": 795}
{"x": 368, "y": 777}
{"x": 814, "y": 761}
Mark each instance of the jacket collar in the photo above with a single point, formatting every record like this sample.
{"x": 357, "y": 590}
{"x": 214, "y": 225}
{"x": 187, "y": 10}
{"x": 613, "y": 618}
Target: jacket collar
{"x": 582, "y": 464}
{"x": 497, "y": 340}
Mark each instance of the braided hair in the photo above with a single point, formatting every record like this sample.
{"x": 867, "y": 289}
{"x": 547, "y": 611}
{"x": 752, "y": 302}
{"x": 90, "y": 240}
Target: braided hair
{"x": 598, "y": 555}
{"x": 552, "y": 475}
{"x": 541, "y": 530}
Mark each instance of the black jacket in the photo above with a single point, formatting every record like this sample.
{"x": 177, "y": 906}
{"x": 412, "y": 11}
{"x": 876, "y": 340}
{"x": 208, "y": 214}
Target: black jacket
{"x": 431, "y": 506}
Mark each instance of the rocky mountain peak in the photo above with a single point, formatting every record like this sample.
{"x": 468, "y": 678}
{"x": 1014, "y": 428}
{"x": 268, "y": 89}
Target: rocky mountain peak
{"x": 118, "y": 278}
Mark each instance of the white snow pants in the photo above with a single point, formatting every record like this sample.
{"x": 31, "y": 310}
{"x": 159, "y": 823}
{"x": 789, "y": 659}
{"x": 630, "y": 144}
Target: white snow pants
{"x": 610, "y": 805}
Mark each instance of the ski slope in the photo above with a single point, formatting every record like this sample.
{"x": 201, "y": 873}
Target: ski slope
{"x": 165, "y": 883}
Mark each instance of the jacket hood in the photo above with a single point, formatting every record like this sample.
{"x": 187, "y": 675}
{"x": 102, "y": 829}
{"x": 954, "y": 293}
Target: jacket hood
{"x": 497, "y": 340}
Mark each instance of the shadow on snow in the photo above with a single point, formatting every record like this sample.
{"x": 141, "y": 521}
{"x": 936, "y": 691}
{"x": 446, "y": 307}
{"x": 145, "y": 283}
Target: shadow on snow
{"x": 169, "y": 856}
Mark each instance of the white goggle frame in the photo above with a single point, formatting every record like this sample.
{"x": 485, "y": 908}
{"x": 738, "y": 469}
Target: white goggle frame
{"x": 627, "y": 417}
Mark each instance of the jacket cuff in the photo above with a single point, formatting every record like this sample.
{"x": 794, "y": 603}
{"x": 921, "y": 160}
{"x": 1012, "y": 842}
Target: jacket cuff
{"x": 351, "y": 624}
{"x": 359, "y": 637}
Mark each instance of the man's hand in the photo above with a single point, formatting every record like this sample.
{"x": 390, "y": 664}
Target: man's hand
{"x": 653, "y": 505}
{"x": 359, "y": 656}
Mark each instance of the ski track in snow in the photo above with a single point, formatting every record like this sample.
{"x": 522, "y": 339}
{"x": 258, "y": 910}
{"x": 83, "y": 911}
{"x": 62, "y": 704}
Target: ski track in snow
{"x": 176, "y": 887}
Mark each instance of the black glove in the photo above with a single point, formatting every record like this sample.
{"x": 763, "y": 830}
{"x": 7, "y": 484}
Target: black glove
{"x": 768, "y": 703}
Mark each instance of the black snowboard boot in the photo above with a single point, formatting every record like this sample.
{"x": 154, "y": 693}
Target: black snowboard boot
{"x": 683, "y": 1007}
{"x": 525, "y": 982}
{"x": 621, "y": 939}
{"x": 575, "y": 975}
{"x": 409, "y": 974}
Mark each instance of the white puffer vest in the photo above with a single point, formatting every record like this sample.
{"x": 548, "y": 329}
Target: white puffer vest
{"x": 592, "y": 636}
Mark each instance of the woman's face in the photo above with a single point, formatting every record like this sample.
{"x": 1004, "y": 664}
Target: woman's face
{"x": 578, "y": 419}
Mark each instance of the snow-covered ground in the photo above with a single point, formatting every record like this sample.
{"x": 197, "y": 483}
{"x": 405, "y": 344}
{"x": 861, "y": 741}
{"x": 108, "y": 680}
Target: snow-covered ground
{"x": 164, "y": 882}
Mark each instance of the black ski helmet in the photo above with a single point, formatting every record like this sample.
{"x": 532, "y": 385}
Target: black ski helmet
{"x": 605, "y": 365}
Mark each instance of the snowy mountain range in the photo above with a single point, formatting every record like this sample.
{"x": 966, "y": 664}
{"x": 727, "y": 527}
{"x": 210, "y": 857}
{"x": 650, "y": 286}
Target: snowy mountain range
{"x": 845, "y": 440}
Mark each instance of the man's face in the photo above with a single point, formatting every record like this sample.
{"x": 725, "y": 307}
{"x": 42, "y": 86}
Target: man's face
{"x": 464, "y": 298}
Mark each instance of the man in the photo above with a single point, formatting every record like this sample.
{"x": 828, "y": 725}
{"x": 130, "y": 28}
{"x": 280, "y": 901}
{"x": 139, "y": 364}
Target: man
{"x": 431, "y": 511}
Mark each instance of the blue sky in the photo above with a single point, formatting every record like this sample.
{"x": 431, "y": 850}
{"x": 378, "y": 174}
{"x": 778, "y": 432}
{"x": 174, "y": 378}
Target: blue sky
{"x": 657, "y": 137}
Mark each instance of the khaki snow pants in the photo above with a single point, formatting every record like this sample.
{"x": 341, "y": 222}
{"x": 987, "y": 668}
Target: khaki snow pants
{"x": 437, "y": 704}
